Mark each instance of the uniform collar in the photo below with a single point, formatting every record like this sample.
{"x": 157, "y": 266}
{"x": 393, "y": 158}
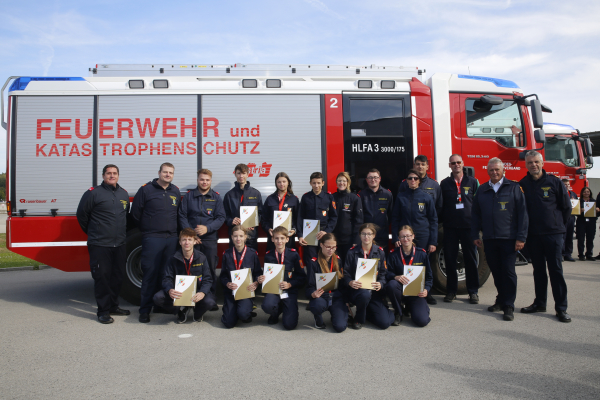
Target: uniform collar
{"x": 155, "y": 184}
{"x": 198, "y": 194}
{"x": 320, "y": 195}
{"x": 246, "y": 186}
{"x": 179, "y": 255}
{"x": 109, "y": 187}
{"x": 542, "y": 178}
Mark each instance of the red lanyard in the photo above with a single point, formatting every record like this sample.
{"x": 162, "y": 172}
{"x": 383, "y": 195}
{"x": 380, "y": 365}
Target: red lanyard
{"x": 188, "y": 267}
{"x": 282, "y": 256}
{"x": 459, "y": 197}
{"x": 242, "y": 200}
{"x": 369, "y": 253}
{"x": 237, "y": 266}
{"x": 411, "y": 259}
{"x": 281, "y": 202}
{"x": 331, "y": 267}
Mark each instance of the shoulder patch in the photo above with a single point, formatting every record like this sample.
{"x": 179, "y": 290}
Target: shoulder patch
{"x": 333, "y": 204}
{"x": 92, "y": 188}
{"x": 314, "y": 259}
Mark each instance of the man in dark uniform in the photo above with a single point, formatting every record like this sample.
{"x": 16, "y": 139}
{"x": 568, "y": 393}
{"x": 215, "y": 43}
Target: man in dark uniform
{"x": 377, "y": 207}
{"x": 316, "y": 204}
{"x": 549, "y": 209}
{"x": 202, "y": 210}
{"x": 458, "y": 191}
{"x": 242, "y": 194}
{"x": 567, "y": 249}
{"x": 154, "y": 209}
{"x": 499, "y": 211}
{"x": 102, "y": 214}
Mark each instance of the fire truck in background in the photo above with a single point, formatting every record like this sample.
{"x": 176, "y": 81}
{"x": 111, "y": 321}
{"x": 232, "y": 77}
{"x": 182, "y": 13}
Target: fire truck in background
{"x": 293, "y": 118}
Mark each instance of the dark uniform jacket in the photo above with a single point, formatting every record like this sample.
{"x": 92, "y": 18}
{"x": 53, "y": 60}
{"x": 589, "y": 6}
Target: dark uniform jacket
{"x": 548, "y": 204}
{"x": 396, "y": 268}
{"x": 250, "y": 261}
{"x": 357, "y": 252}
{"x": 314, "y": 268}
{"x": 102, "y": 214}
{"x": 321, "y": 207}
{"x": 429, "y": 186}
{"x": 176, "y": 266}
{"x": 450, "y": 216}
{"x": 501, "y": 215}
{"x": 294, "y": 273}
{"x": 377, "y": 209}
{"x": 202, "y": 209}
{"x": 236, "y": 198}
{"x": 350, "y": 217}
{"x": 154, "y": 209}
{"x": 417, "y": 209}
{"x": 290, "y": 203}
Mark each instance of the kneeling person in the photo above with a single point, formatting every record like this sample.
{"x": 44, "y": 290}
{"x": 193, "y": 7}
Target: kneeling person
{"x": 187, "y": 261}
{"x": 293, "y": 278}
{"x": 408, "y": 254}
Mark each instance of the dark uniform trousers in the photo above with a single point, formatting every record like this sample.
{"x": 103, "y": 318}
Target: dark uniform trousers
{"x": 501, "y": 257}
{"x": 234, "y": 310}
{"x": 419, "y": 310}
{"x": 106, "y": 264}
{"x": 275, "y": 306}
{"x": 369, "y": 305}
{"x": 451, "y": 239}
{"x": 586, "y": 230}
{"x": 547, "y": 249}
{"x": 567, "y": 249}
{"x": 162, "y": 299}
{"x": 156, "y": 251}
{"x": 209, "y": 249}
{"x": 337, "y": 309}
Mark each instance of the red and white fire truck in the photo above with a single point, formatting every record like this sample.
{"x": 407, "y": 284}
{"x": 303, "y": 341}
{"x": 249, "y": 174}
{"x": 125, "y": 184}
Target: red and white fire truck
{"x": 295, "y": 118}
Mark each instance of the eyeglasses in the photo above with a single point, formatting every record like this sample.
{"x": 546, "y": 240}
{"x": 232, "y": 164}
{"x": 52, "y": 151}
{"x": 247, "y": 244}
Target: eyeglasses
{"x": 365, "y": 234}
{"x": 373, "y": 178}
{"x": 330, "y": 248}
{"x": 455, "y": 162}
{"x": 412, "y": 178}
{"x": 407, "y": 237}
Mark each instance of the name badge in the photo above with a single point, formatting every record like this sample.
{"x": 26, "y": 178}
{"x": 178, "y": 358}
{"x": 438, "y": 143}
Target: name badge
{"x": 587, "y": 220}
{"x": 284, "y": 295}
{"x": 460, "y": 205}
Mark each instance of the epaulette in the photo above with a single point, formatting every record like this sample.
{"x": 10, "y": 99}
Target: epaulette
{"x": 352, "y": 248}
{"x": 292, "y": 249}
{"x": 381, "y": 248}
{"x": 392, "y": 250}
{"x": 338, "y": 257}
{"x": 314, "y": 259}
{"x": 216, "y": 192}
{"x": 92, "y": 188}
{"x": 308, "y": 192}
{"x": 268, "y": 252}
{"x": 328, "y": 192}
{"x": 144, "y": 184}
{"x": 256, "y": 252}
{"x": 389, "y": 190}
{"x": 175, "y": 186}
{"x": 358, "y": 194}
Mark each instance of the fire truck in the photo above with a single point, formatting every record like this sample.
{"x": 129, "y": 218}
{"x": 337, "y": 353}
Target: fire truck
{"x": 298, "y": 119}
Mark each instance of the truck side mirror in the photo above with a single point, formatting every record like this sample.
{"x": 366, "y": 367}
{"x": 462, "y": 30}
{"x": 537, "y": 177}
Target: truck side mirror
{"x": 546, "y": 109}
{"x": 536, "y": 114}
{"x": 540, "y": 136}
{"x": 589, "y": 160}
{"x": 587, "y": 147}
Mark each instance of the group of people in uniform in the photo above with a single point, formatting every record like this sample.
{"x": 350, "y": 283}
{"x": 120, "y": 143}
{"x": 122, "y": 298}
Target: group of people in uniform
{"x": 179, "y": 237}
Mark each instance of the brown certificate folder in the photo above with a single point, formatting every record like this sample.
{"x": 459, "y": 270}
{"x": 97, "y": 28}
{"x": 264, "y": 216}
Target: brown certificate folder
{"x": 589, "y": 209}
{"x": 273, "y": 277}
{"x": 575, "y": 209}
{"x": 249, "y": 216}
{"x": 416, "y": 273}
{"x": 186, "y": 284}
{"x": 282, "y": 218}
{"x": 366, "y": 272}
{"x": 242, "y": 278}
{"x": 310, "y": 230}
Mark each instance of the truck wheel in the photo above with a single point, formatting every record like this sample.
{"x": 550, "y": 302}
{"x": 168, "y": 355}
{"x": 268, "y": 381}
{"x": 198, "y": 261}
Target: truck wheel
{"x": 438, "y": 267}
{"x": 132, "y": 274}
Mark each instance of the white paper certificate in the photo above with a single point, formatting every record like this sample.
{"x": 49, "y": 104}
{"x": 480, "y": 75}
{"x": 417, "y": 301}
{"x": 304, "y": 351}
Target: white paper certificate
{"x": 327, "y": 279}
{"x": 310, "y": 230}
{"x": 273, "y": 277}
{"x": 282, "y": 218}
{"x": 412, "y": 272}
{"x": 238, "y": 277}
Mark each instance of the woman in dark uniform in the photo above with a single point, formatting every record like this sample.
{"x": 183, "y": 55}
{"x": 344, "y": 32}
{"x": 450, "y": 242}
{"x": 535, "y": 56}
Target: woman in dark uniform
{"x": 282, "y": 200}
{"x": 586, "y": 228}
{"x": 350, "y": 215}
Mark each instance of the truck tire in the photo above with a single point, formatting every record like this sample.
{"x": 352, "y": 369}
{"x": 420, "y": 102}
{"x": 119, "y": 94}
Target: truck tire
{"x": 132, "y": 273}
{"x": 439, "y": 270}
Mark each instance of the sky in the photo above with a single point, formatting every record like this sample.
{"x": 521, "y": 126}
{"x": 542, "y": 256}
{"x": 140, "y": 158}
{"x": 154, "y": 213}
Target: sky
{"x": 551, "y": 48}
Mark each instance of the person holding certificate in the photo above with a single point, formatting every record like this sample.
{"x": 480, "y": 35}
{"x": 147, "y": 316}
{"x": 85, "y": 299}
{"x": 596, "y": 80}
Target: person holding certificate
{"x": 350, "y": 215}
{"x": 326, "y": 262}
{"x": 586, "y": 227}
{"x": 368, "y": 300}
{"x": 187, "y": 261}
{"x": 234, "y": 259}
{"x": 294, "y": 277}
{"x": 282, "y": 200}
{"x": 406, "y": 255}
{"x": 242, "y": 194}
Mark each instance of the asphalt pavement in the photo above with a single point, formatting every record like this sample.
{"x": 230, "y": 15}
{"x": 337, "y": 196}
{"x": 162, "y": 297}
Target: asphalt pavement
{"x": 53, "y": 347}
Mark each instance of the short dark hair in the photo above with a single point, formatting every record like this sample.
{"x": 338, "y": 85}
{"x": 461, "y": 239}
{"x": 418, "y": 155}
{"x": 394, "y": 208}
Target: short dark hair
{"x": 421, "y": 158}
{"x": 166, "y": 164}
{"x": 187, "y": 232}
{"x": 107, "y": 166}
{"x": 243, "y": 168}
{"x": 565, "y": 180}
{"x": 375, "y": 171}
{"x": 316, "y": 175}
{"x": 413, "y": 171}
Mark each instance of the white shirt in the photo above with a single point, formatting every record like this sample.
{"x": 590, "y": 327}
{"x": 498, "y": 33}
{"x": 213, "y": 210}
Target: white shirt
{"x": 496, "y": 185}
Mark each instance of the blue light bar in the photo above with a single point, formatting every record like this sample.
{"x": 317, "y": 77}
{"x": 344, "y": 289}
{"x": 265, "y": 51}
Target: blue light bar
{"x": 22, "y": 82}
{"x": 496, "y": 81}
{"x": 563, "y": 125}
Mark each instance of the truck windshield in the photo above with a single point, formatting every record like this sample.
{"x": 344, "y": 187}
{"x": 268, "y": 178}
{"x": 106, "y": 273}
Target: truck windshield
{"x": 502, "y": 123}
{"x": 559, "y": 149}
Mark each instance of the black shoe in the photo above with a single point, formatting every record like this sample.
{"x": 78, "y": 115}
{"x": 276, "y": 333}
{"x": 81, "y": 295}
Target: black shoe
{"x": 569, "y": 258}
{"x": 473, "y": 298}
{"x": 431, "y": 300}
{"x": 495, "y": 307}
{"x": 120, "y": 311}
{"x": 590, "y": 258}
{"x": 405, "y": 311}
{"x": 198, "y": 318}
{"x": 319, "y": 324}
{"x": 182, "y": 315}
{"x": 253, "y": 314}
{"x": 144, "y": 318}
{"x": 247, "y": 321}
{"x": 563, "y": 316}
{"x": 397, "y": 320}
{"x": 215, "y": 308}
{"x": 355, "y": 325}
{"x": 581, "y": 258}
{"x": 105, "y": 319}
{"x": 449, "y": 297}
{"x": 533, "y": 309}
{"x": 273, "y": 319}
{"x": 508, "y": 314}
